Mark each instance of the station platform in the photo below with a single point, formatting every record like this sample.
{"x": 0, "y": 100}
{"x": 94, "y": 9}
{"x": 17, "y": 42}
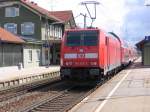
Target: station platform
{"x": 13, "y": 73}
{"x": 128, "y": 91}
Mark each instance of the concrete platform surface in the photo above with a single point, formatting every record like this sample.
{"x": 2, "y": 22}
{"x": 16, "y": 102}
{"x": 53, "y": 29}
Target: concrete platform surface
{"x": 129, "y": 91}
{"x": 13, "y": 73}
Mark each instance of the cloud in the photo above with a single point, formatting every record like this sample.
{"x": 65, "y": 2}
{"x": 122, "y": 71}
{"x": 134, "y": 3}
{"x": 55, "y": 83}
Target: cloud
{"x": 108, "y": 12}
{"x": 137, "y": 22}
{"x": 128, "y": 18}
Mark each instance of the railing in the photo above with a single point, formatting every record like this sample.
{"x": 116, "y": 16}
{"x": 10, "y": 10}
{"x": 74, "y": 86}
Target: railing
{"x": 28, "y": 79}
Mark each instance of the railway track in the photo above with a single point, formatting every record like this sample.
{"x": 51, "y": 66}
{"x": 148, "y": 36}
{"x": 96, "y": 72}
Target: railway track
{"x": 61, "y": 102}
{"x": 64, "y": 100}
{"x": 34, "y": 95}
{"x": 23, "y": 89}
{"x": 56, "y": 97}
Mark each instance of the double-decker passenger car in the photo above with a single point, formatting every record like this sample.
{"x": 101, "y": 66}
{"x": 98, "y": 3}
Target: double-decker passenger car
{"x": 125, "y": 54}
{"x": 89, "y": 53}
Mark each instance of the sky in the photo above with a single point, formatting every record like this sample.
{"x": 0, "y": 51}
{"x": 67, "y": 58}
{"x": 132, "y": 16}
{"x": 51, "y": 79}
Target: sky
{"x": 129, "y": 19}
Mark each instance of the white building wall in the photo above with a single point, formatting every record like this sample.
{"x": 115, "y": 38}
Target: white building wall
{"x": 27, "y": 63}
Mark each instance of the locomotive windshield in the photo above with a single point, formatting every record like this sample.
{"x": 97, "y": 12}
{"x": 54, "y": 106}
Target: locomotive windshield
{"x": 82, "y": 38}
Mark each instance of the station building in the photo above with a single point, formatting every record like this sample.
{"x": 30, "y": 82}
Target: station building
{"x": 144, "y": 46}
{"x": 41, "y": 30}
{"x": 10, "y": 49}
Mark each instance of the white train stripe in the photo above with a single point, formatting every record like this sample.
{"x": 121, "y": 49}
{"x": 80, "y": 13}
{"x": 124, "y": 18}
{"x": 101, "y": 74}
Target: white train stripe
{"x": 91, "y": 55}
{"x": 70, "y": 55}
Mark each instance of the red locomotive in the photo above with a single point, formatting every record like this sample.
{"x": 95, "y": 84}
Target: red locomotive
{"x": 90, "y": 54}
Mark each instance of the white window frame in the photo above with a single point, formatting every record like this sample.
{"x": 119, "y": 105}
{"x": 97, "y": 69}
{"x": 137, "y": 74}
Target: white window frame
{"x": 9, "y": 12}
{"x": 60, "y": 32}
{"x": 8, "y": 27}
{"x": 55, "y": 35}
{"x": 52, "y": 31}
{"x": 30, "y": 55}
{"x": 55, "y": 31}
{"x": 38, "y": 53}
{"x": 50, "y": 27}
{"x": 27, "y": 25}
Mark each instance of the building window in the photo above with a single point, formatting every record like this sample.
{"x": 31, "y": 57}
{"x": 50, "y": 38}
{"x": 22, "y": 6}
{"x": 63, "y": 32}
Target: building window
{"x": 50, "y": 27}
{"x": 30, "y": 55}
{"x": 52, "y": 30}
{"x": 38, "y": 55}
{"x": 11, "y": 11}
{"x": 55, "y": 35}
{"x": 60, "y": 32}
{"x": 11, "y": 27}
{"x": 27, "y": 28}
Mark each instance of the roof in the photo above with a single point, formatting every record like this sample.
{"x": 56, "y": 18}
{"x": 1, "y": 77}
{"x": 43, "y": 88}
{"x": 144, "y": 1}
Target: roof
{"x": 140, "y": 44}
{"x": 64, "y": 16}
{"x": 39, "y": 9}
{"x": 115, "y": 35}
{"x": 6, "y": 36}
{"x": 58, "y": 16}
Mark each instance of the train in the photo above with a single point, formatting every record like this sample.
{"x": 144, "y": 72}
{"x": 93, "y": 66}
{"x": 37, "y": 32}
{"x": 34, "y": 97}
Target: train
{"x": 93, "y": 54}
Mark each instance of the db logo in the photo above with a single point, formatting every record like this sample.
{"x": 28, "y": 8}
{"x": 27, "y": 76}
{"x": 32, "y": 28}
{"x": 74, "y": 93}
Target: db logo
{"x": 81, "y": 55}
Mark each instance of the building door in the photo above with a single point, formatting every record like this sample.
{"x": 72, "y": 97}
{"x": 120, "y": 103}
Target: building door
{"x": 55, "y": 51}
{"x": 147, "y": 55}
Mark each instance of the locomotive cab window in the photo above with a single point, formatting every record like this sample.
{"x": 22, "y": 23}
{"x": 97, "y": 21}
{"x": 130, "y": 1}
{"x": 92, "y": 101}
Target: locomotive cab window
{"x": 73, "y": 39}
{"x": 82, "y": 38}
{"x": 90, "y": 38}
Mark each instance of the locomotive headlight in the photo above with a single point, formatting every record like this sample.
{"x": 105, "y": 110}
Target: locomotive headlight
{"x": 67, "y": 63}
{"x": 93, "y": 63}
{"x": 70, "y": 63}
